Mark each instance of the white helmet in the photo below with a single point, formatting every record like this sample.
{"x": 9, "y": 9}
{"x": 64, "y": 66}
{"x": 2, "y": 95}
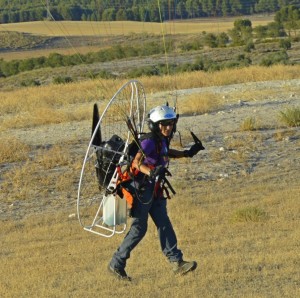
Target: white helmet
{"x": 162, "y": 113}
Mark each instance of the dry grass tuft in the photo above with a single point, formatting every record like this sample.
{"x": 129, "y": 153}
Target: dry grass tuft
{"x": 291, "y": 117}
{"x": 249, "y": 124}
{"x": 283, "y": 134}
{"x": 46, "y": 115}
{"x": 12, "y": 150}
{"x": 200, "y": 104}
{"x": 253, "y": 214}
{"x": 57, "y": 156}
{"x": 48, "y": 171}
{"x": 20, "y": 181}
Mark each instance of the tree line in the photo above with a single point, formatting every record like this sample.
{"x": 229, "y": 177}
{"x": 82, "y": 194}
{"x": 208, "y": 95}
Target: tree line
{"x": 13, "y": 11}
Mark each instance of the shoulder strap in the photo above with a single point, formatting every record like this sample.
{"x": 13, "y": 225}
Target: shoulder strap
{"x": 146, "y": 136}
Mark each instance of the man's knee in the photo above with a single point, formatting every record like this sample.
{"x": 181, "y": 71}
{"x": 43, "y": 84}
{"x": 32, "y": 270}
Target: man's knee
{"x": 139, "y": 229}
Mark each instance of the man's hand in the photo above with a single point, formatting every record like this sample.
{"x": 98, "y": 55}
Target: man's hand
{"x": 195, "y": 148}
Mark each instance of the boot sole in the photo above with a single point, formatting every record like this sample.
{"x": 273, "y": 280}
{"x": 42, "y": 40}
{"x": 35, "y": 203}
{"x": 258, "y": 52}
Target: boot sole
{"x": 116, "y": 275}
{"x": 186, "y": 269}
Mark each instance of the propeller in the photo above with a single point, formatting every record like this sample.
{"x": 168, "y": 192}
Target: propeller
{"x": 97, "y": 139}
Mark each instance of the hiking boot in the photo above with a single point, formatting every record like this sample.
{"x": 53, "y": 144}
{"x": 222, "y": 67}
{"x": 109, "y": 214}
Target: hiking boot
{"x": 183, "y": 267}
{"x": 119, "y": 273}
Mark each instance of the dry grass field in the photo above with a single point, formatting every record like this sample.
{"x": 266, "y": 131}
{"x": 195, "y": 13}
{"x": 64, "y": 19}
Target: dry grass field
{"x": 70, "y": 29}
{"x": 73, "y": 28}
{"x": 236, "y": 211}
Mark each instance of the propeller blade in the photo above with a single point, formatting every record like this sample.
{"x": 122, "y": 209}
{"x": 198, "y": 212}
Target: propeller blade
{"x": 97, "y": 139}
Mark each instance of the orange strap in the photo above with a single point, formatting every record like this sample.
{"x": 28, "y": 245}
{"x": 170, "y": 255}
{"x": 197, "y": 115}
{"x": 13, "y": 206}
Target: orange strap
{"x": 124, "y": 192}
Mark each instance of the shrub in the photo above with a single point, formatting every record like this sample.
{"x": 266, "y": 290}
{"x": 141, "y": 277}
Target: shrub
{"x": 222, "y": 39}
{"x": 62, "y": 80}
{"x": 191, "y": 46}
{"x": 249, "y": 124}
{"x": 30, "y": 83}
{"x": 13, "y": 149}
{"x": 246, "y": 214}
{"x": 275, "y": 58}
{"x": 261, "y": 31}
{"x": 291, "y": 117}
{"x": 285, "y": 44}
{"x": 104, "y": 74}
{"x": 201, "y": 103}
{"x": 210, "y": 40}
{"x": 144, "y": 71}
{"x": 55, "y": 60}
{"x": 275, "y": 29}
{"x": 249, "y": 46}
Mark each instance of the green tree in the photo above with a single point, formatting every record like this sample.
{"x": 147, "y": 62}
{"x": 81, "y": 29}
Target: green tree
{"x": 33, "y": 15}
{"x": 241, "y": 24}
{"x": 4, "y": 18}
{"x": 143, "y": 14}
{"x": 65, "y": 12}
{"x": 242, "y": 32}
{"x": 10, "y": 68}
{"x": 249, "y": 46}
{"x": 275, "y": 30}
{"x": 26, "y": 65}
{"x": 210, "y": 40}
{"x": 222, "y": 39}
{"x": 39, "y": 62}
{"x": 75, "y": 12}
{"x": 109, "y": 14}
{"x": 236, "y": 7}
{"x": 267, "y": 6}
{"x": 54, "y": 60}
{"x": 24, "y": 16}
{"x": 285, "y": 44}
{"x": 154, "y": 13}
{"x": 275, "y": 58}
{"x": 93, "y": 17}
{"x": 136, "y": 13}
{"x": 292, "y": 24}
{"x": 121, "y": 15}
{"x": 261, "y": 31}
{"x": 209, "y": 7}
{"x": 40, "y": 13}
{"x": 129, "y": 14}
{"x": 226, "y": 8}
{"x": 193, "y": 8}
{"x": 181, "y": 10}
{"x": 13, "y": 17}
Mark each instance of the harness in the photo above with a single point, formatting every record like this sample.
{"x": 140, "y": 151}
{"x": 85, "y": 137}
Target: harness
{"x": 132, "y": 175}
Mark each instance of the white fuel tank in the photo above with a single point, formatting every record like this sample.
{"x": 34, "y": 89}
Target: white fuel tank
{"x": 114, "y": 210}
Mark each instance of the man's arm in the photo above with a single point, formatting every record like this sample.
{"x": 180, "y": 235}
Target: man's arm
{"x": 138, "y": 164}
{"x": 173, "y": 153}
{"x": 187, "y": 153}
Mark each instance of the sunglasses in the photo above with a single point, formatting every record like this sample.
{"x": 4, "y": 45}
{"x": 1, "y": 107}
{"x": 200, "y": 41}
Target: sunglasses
{"x": 167, "y": 123}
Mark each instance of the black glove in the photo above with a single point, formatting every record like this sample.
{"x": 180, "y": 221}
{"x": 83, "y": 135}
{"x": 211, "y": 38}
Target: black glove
{"x": 158, "y": 171}
{"x": 194, "y": 149}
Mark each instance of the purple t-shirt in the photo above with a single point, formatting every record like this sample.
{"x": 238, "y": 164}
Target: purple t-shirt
{"x": 155, "y": 155}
